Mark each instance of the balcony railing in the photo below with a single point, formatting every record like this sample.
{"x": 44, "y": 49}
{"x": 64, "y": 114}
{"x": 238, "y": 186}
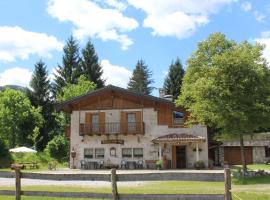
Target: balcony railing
{"x": 112, "y": 128}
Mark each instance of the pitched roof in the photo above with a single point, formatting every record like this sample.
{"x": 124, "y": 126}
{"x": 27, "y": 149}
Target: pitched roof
{"x": 176, "y": 137}
{"x": 61, "y": 105}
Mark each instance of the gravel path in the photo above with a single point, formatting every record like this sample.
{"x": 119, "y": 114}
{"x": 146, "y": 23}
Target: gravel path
{"x": 29, "y": 182}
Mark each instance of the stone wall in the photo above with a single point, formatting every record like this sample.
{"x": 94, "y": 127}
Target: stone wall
{"x": 258, "y": 154}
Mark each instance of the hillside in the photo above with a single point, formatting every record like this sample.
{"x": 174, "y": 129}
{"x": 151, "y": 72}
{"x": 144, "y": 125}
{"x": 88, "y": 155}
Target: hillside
{"x": 15, "y": 87}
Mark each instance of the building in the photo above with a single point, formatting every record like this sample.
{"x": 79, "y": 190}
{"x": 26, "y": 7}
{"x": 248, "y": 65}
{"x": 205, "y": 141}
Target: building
{"x": 257, "y": 150}
{"x": 113, "y": 126}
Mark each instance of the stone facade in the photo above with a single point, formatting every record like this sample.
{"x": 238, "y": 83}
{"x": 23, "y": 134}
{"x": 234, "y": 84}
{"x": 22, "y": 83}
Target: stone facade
{"x": 152, "y": 130}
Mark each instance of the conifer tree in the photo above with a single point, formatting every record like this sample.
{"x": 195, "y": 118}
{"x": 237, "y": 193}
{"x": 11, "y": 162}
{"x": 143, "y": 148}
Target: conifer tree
{"x": 140, "y": 80}
{"x": 39, "y": 95}
{"x": 70, "y": 69}
{"x": 173, "y": 81}
{"x": 90, "y": 66}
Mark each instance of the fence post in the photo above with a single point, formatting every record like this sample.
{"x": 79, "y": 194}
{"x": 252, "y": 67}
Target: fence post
{"x": 227, "y": 180}
{"x": 17, "y": 169}
{"x": 114, "y": 184}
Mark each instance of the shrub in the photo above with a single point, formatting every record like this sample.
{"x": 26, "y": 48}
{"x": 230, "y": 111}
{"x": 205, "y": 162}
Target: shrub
{"x": 5, "y": 157}
{"x": 159, "y": 164}
{"x": 58, "y": 148}
{"x": 199, "y": 164}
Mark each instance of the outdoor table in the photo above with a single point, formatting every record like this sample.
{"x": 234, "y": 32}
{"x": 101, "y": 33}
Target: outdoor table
{"x": 131, "y": 164}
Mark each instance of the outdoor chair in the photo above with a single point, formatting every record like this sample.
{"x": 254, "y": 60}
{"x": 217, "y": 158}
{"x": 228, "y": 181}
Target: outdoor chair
{"x": 123, "y": 164}
{"x": 100, "y": 164}
{"x": 83, "y": 164}
{"x": 139, "y": 164}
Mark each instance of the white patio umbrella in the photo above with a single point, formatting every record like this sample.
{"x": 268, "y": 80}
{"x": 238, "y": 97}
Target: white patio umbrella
{"x": 22, "y": 150}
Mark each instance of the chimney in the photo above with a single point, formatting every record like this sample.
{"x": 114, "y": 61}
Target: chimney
{"x": 161, "y": 93}
{"x": 168, "y": 97}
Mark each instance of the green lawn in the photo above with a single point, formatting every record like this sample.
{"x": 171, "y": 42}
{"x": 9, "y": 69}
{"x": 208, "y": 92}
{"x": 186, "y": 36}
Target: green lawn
{"x": 251, "y": 188}
{"x": 259, "y": 191}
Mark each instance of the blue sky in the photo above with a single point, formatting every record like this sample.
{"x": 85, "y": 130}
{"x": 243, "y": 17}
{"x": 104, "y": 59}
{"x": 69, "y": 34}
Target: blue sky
{"x": 122, "y": 32}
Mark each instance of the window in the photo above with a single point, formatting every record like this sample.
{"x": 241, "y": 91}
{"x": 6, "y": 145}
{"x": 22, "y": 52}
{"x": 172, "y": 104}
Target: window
{"x": 99, "y": 153}
{"x": 126, "y": 152}
{"x": 267, "y": 151}
{"x": 88, "y": 153}
{"x": 138, "y": 152}
{"x": 95, "y": 121}
{"x": 131, "y": 118}
{"x": 178, "y": 118}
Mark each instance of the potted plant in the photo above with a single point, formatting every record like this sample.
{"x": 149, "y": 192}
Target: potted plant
{"x": 199, "y": 164}
{"x": 159, "y": 164}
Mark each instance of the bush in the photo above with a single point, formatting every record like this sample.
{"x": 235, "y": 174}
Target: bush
{"x": 58, "y": 148}
{"x": 159, "y": 164}
{"x": 199, "y": 165}
{"x": 5, "y": 157}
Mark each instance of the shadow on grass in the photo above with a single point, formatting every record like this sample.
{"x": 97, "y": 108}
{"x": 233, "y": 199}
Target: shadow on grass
{"x": 251, "y": 181}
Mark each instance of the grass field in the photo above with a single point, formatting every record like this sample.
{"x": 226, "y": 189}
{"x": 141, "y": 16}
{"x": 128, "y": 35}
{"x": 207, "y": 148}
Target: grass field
{"x": 259, "y": 191}
{"x": 245, "y": 189}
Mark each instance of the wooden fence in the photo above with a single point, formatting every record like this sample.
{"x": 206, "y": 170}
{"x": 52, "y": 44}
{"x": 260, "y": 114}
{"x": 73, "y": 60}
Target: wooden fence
{"x": 113, "y": 177}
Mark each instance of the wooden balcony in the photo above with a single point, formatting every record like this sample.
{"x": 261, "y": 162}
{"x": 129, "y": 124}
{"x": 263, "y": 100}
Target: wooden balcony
{"x": 112, "y": 128}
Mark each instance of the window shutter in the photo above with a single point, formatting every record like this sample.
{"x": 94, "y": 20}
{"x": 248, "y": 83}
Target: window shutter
{"x": 138, "y": 115}
{"x": 123, "y": 120}
{"x": 101, "y": 116}
{"x": 88, "y": 118}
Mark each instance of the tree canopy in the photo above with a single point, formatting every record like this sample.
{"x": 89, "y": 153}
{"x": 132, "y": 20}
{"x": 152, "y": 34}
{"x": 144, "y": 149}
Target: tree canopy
{"x": 90, "y": 66}
{"x": 70, "y": 69}
{"x": 140, "y": 80}
{"x": 19, "y": 120}
{"x": 227, "y": 86}
{"x": 173, "y": 81}
{"x": 72, "y": 90}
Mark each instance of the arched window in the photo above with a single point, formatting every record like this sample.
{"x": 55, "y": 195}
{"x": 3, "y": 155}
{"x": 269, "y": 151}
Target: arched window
{"x": 113, "y": 152}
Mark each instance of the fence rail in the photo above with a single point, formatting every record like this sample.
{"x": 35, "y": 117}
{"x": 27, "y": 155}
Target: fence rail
{"x": 114, "y": 178}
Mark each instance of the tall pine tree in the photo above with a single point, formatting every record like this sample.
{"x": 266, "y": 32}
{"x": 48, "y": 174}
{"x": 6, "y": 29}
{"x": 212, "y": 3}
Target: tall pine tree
{"x": 90, "y": 66}
{"x": 140, "y": 80}
{"x": 173, "y": 81}
{"x": 39, "y": 95}
{"x": 70, "y": 70}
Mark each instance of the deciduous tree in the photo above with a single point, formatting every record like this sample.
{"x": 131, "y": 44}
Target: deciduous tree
{"x": 227, "y": 86}
{"x": 19, "y": 120}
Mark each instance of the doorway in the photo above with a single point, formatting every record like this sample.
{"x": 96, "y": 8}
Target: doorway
{"x": 181, "y": 162}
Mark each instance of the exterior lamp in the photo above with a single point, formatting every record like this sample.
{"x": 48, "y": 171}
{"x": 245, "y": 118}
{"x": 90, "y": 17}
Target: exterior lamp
{"x": 73, "y": 155}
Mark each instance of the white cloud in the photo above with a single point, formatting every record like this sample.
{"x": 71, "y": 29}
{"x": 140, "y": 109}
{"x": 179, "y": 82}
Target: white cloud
{"x": 246, "y": 6}
{"x": 15, "y": 76}
{"x": 16, "y": 42}
{"x": 177, "y": 18}
{"x": 91, "y": 20}
{"x": 259, "y": 16}
{"x": 116, "y": 4}
{"x": 265, "y": 40}
{"x": 114, "y": 74}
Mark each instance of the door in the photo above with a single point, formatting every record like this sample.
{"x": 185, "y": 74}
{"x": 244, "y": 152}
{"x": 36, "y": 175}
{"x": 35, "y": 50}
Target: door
{"x": 181, "y": 157}
{"x": 95, "y": 123}
{"x": 232, "y": 155}
{"x": 131, "y": 118}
